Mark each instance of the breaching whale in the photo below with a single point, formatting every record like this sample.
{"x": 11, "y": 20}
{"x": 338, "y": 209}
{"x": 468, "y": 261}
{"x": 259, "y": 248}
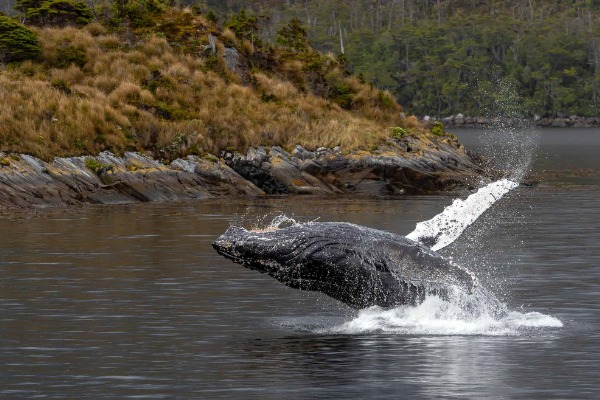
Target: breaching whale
{"x": 362, "y": 266}
{"x": 357, "y": 265}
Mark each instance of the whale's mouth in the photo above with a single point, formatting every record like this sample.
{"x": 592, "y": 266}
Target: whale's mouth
{"x": 235, "y": 244}
{"x": 226, "y": 248}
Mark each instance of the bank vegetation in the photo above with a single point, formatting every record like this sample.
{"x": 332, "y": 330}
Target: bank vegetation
{"x": 445, "y": 57}
{"x": 171, "y": 81}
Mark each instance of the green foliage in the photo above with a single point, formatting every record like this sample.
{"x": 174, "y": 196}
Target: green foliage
{"x": 67, "y": 54}
{"x": 438, "y": 129}
{"x": 339, "y": 91}
{"x": 244, "y": 26}
{"x": 94, "y": 164}
{"x": 397, "y": 132}
{"x": 211, "y": 158}
{"x": 212, "y": 17}
{"x": 138, "y": 13}
{"x": 293, "y": 35}
{"x": 440, "y": 57}
{"x": 55, "y": 12}
{"x": 17, "y": 43}
{"x": 385, "y": 100}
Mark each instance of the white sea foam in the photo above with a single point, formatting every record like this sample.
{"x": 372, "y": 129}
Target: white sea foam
{"x": 446, "y": 227}
{"x": 439, "y": 317}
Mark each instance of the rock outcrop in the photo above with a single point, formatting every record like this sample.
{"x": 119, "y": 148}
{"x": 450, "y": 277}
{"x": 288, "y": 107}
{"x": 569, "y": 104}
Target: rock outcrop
{"x": 564, "y": 121}
{"x": 406, "y": 165}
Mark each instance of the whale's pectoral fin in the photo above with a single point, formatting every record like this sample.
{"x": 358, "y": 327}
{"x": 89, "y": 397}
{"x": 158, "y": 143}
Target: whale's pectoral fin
{"x": 446, "y": 227}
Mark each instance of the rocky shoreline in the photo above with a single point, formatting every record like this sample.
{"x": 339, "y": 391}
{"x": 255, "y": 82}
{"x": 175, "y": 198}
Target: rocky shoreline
{"x": 406, "y": 165}
{"x": 461, "y": 121}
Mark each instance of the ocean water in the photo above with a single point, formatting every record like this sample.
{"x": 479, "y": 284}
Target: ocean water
{"x": 132, "y": 301}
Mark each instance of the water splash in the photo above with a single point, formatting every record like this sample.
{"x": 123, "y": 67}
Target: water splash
{"x": 282, "y": 220}
{"x": 277, "y": 222}
{"x": 436, "y": 316}
{"x": 509, "y": 143}
{"x": 446, "y": 227}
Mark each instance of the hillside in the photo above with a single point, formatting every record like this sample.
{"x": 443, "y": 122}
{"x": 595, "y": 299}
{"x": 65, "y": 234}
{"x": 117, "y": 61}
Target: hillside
{"x": 171, "y": 82}
{"x": 443, "y": 57}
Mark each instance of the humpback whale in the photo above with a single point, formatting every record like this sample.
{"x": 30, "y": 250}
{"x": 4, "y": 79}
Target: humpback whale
{"x": 362, "y": 266}
{"x": 359, "y": 266}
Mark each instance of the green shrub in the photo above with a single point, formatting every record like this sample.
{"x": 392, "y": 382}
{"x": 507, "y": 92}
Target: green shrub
{"x": 55, "y": 12}
{"x": 139, "y": 13}
{"x": 385, "y": 100}
{"x": 339, "y": 91}
{"x": 397, "y": 132}
{"x": 17, "y": 43}
{"x": 96, "y": 165}
{"x": 293, "y": 35}
{"x": 67, "y": 54}
{"x": 244, "y": 27}
{"x": 438, "y": 129}
{"x": 211, "y": 158}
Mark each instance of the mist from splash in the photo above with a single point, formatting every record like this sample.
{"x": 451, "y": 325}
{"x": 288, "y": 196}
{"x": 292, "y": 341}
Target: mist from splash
{"x": 510, "y": 142}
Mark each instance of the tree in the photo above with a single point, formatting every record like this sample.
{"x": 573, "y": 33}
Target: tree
{"x": 293, "y": 35}
{"x": 140, "y": 13}
{"x": 55, "y": 12}
{"x": 17, "y": 43}
{"x": 244, "y": 26}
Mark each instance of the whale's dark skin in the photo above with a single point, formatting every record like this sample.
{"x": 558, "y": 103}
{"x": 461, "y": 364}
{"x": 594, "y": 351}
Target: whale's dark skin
{"x": 359, "y": 266}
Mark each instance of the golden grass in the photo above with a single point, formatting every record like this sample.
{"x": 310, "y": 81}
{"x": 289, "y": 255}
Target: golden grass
{"x": 151, "y": 97}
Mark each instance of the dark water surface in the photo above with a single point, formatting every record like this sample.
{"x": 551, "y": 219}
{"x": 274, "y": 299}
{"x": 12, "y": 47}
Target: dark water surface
{"x": 132, "y": 302}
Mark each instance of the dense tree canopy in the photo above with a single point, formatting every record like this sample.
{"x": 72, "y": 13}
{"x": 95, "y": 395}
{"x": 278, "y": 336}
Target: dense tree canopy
{"x": 441, "y": 57}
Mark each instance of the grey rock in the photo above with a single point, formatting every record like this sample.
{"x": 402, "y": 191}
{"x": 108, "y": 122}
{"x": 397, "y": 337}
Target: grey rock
{"x": 303, "y": 154}
{"x": 559, "y": 123}
{"x": 409, "y": 165}
{"x": 232, "y": 59}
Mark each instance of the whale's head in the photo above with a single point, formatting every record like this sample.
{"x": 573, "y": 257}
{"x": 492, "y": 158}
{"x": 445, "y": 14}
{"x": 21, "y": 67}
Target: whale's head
{"x": 359, "y": 266}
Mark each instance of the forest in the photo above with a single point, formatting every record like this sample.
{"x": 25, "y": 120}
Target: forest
{"x": 441, "y": 57}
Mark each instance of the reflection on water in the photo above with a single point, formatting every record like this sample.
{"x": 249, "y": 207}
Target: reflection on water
{"x": 132, "y": 302}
